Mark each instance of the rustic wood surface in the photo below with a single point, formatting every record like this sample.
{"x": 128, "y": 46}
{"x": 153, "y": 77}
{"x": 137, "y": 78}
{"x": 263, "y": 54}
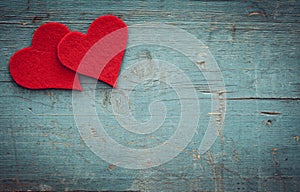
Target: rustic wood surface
{"x": 255, "y": 43}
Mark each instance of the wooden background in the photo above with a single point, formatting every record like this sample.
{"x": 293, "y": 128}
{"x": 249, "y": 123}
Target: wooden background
{"x": 257, "y": 46}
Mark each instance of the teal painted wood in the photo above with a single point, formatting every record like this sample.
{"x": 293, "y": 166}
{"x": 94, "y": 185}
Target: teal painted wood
{"x": 256, "y": 45}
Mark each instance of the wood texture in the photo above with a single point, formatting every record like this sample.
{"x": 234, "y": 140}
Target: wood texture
{"x": 257, "y": 46}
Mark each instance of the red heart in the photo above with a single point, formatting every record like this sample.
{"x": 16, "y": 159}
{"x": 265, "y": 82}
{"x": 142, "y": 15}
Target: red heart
{"x": 99, "y": 53}
{"x": 38, "y": 67}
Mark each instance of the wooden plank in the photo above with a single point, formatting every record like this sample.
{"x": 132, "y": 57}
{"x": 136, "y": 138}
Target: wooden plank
{"x": 256, "y": 45}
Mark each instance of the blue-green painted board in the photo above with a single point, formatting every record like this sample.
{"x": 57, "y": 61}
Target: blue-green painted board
{"x": 255, "y": 43}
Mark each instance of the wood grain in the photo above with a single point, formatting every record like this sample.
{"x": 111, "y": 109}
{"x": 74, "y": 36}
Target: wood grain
{"x": 255, "y": 43}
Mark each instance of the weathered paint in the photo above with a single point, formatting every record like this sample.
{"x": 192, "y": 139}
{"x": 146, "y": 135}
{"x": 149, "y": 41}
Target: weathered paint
{"x": 257, "y": 46}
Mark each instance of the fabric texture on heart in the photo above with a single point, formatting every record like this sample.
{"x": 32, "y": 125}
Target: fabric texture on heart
{"x": 38, "y": 67}
{"x": 98, "y": 53}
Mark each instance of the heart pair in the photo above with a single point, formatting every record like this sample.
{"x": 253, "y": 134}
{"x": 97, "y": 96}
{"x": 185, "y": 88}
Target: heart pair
{"x": 57, "y": 55}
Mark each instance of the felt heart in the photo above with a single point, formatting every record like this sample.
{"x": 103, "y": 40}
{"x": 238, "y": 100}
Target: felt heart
{"x": 38, "y": 67}
{"x": 98, "y": 53}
